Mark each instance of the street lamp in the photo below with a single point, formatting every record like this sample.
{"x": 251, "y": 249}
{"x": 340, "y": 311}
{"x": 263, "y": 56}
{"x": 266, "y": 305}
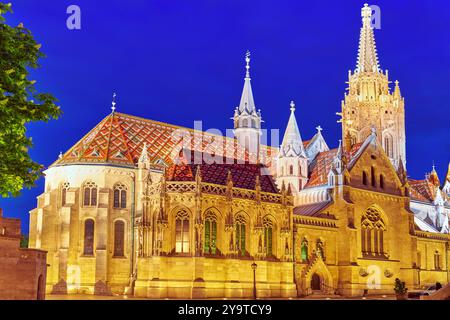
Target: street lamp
{"x": 254, "y": 266}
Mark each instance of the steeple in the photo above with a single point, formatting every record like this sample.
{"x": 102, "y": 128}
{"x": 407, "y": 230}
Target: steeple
{"x": 247, "y": 103}
{"x": 292, "y": 144}
{"x": 446, "y": 187}
{"x": 367, "y": 52}
{"x": 433, "y": 177}
{"x": 292, "y": 163}
{"x": 247, "y": 121}
{"x": 397, "y": 93}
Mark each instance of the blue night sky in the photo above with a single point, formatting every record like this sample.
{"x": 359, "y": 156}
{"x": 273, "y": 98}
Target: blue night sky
{"x": 178, "y": 61}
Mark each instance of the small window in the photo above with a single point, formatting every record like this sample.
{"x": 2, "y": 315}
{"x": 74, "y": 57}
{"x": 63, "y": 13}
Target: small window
{"x": 381, "y": 181}
{"x": 304, "y": 251}
{"x": 364, "y": 178}
{"x": 65, "y": 186}
{"x": 119, "y": 238}
{"x": 372, "y": 173}
{"x": 90, "y": 194}
{"x": 291, "y": 170}
{"x": 89, "y": 227}
{"x": 437, "y": 261}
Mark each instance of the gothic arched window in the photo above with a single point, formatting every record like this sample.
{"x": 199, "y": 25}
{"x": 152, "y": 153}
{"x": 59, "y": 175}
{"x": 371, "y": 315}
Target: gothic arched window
{"x": 90, "y": 194}
{"x": 268, "y": 236}
{"x": 182, "y": 232}
{"x": 119, "y": 238}
{"x": 89, "y": 228}
{"x": 291, "y": 170}
{"x": 120, "y": 196}
{"x": 240, "y": 234}
{"x": 210, "y": 233}
{"x": 64, "y": 187}
{"x": 372, "y": 233}
{"x": 304, "y": 251}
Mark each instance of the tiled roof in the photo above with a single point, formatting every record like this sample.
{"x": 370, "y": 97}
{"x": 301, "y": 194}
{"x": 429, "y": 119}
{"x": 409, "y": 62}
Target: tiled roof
{"x": 422, "y": 190}
{"x": 320, "y": 167}
{"x": 243, "y": 175}
{"x": 313, "y": 210}
{"x": 119, "y": 139}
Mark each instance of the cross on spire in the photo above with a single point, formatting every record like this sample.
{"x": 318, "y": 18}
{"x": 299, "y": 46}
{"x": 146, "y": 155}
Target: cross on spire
{"x": 292, "y": 104}
{"x": 319, "y": 129}
{"x": 247, "y": 66}
{"x": 113, "y": 103}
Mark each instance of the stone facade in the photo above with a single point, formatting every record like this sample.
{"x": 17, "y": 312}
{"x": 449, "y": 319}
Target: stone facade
{"x": 22, "y": 271}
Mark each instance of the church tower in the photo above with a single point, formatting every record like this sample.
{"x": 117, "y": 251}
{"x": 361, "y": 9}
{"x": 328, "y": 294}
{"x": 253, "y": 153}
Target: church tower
{"x": 247, "y": 120}
{"x": 292, "y": 162}
{"x": 370, "y": 103}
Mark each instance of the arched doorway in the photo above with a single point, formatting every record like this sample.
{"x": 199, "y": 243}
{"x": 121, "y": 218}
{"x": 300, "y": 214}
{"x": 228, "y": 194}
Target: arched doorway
{"x": 316, "y": 282}
{"x": 40, "y": 288}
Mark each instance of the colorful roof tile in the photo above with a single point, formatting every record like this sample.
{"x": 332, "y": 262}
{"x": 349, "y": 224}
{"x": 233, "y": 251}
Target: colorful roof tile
{"x": 119, "y": 139}
{"x": 243, "y": 175}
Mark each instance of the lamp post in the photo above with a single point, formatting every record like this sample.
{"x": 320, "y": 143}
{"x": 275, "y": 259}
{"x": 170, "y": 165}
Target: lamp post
{"x": 254, "y": 266}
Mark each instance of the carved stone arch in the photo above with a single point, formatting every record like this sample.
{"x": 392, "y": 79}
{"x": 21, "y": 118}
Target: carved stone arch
{"x": 318, "y": 267}
{"x": 178, "y": 208}
{"x": 382, "y": 213}
{"x": 213, "y": 210}
{"x": 244, "y": 214}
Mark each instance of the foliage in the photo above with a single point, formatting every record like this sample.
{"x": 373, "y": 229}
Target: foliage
{"x": 24, "y": 241}
{"x": 400, "y": 287}
{"x": 20, "y": 103}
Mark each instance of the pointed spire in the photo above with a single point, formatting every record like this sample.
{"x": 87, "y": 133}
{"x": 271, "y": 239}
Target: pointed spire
{"x": 397, "y": 93}
{"x": 367, "y": 52}
{"x": 292, "y": 140}
{"x": 113, "y": 103}
{"x": 247, "y": 104}
{"x": 433, "y": 177}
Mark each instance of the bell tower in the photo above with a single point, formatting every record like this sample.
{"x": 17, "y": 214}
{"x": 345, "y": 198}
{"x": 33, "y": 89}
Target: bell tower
{"x": 370, "y": 103}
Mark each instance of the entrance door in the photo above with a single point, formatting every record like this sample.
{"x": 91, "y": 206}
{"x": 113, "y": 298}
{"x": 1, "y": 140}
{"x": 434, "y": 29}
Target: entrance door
{"x": 40, "y": 288}
{"x": 315, "y": 282}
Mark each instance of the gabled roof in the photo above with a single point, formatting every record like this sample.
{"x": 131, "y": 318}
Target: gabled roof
{"x": 119, "y": 139}
{"x": 320, "y": 167}
{"x": 243, "y": 175}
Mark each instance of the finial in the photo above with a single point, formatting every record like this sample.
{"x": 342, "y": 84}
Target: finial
{"x": 113, "y": 103}
{"x": 247, "y": 66}
{"x": 434, "y": 168}
{"x": 60, "y": 155}
{"x": 374, "y": 130}
{"x": 292, "y": 106}
{"x": 366, "y": 13}
{"x": 319, "y": 129}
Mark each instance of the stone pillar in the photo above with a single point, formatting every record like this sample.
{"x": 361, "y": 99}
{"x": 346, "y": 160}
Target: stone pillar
{"x": 101, "y": 254}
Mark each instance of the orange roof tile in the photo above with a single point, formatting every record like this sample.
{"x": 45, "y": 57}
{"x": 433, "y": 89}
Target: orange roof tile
{"x": 119, "y": 139}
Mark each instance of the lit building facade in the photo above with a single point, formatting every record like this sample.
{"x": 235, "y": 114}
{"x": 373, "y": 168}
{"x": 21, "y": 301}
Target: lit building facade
{"x": 135, "y": 208}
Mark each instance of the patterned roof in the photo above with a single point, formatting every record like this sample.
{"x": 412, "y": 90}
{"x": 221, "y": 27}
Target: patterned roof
{"x": 313, "y": 210}
{"x": 320, "y": 167}
{"x": 243, "y": 175}
{"x": 422, "y": 190}
{"x": 119, "y": 139}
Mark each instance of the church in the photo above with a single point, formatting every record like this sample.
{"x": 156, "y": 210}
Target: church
{"x": 143, "y": 208}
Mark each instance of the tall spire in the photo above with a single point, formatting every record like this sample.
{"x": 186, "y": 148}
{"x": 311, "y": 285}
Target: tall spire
{"x": 367, "y": 52}
{"x": 247, "y": 103}
{"x": 292, "y": 140}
